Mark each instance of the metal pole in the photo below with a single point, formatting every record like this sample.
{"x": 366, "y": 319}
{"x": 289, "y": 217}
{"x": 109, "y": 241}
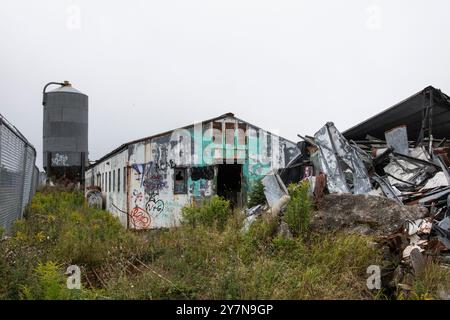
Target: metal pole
{"x": 430, "y": 123}
{"x": 83, "y": 159}
{"x": 44, "y": 94}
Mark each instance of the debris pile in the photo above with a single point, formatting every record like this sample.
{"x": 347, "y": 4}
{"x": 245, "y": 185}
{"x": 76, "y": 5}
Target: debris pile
{"x": 396, "y": 189}
{"x": 363, "y": 214}
{"x": 409, "y": 173}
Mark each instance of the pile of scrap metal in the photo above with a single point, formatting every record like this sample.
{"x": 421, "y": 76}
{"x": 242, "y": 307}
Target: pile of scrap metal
{"x": 277, "y": 197}
{"x": 409, "y": 173}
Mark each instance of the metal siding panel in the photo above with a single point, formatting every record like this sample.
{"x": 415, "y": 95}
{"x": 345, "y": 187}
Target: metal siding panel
{"x": 28, "y": 177}
{"x": 11, "y": 183}
{"x": 17, "y": 166}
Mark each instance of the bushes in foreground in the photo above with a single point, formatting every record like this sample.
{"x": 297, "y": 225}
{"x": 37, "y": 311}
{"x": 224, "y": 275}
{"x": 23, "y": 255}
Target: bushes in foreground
{"x": 65, "y": 229}
{"x": 212, "y": 212}
{"x": 205, "y": 258}
{"x": 59, "y": 230}
{"x": 205, "y": 263}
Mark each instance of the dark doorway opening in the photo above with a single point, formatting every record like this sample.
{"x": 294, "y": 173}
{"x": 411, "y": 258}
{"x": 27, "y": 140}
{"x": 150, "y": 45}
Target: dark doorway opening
{"x": 229, "y": 183}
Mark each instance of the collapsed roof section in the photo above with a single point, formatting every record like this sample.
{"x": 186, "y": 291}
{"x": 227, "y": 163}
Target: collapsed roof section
{"x": 429, "y": 108}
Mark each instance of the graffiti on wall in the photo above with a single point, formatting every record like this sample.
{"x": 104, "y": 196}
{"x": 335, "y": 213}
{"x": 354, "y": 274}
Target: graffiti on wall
{"x": 199, "y": 182}
{"x": 139, "y": 217}
{"x": 145, "y": 209}
{"x": 60, "y": 160}
{"x": 94, "y": 199}
{"x": 152, "y": 178}
{"x": 155, "y": 198}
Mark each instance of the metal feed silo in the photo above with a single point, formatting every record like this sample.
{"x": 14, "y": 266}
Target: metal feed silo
{"x": 65, "y": 148}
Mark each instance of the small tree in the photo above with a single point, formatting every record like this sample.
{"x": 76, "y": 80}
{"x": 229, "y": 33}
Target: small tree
{"x": 257, "y": 195}
{"x": 298, "y": 211}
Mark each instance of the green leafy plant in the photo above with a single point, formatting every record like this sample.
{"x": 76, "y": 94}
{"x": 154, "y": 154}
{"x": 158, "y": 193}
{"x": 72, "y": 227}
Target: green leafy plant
{"x": 298, "y": 211}
{"x": 215, "y": 211}
{"x": 47, "y": 283}
{"x": 261, "y": 231}
{"x": 256, "y": 195}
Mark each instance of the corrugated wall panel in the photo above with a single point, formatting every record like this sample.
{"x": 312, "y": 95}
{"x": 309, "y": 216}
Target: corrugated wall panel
{"x": 17, "y": 166}
{"x": 28, "y": 178}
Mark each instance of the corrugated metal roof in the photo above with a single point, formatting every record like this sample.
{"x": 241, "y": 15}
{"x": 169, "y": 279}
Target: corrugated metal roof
{"x": 408, "y": 112}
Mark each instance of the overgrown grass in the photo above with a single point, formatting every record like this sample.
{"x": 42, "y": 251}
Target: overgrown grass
{"x": 59, "y": 230}
{"x": 433, "y": 282}
{"x": 193, "y": 261}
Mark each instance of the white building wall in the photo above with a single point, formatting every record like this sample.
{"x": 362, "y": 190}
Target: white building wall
{"x": 148, "y": 199}
{"x": 109, "y": 176}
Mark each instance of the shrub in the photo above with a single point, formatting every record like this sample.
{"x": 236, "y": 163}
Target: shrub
{"x": 298, "y": 211}
{"x": 214, "y": 211}
{"x": 47, "y": 283}
{"x": 257, "y": 195}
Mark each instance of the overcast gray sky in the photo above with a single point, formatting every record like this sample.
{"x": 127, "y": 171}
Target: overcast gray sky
{"x": 151, "y": 66}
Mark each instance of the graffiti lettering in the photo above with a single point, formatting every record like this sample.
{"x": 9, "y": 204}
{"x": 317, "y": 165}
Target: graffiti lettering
{"x": 140, "y": 218}
{"x": 60, "y": 160}
{"x": 150, "y": 176}
{"x": 154, "y": 205}
{"x": 154, "y": 183}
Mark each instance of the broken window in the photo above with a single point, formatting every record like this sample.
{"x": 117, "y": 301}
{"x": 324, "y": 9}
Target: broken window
{"x": 229, "y": 141}
{"x": 229, "y": 133}
{"x": 205, "y": 172}
{"x": 109, "y": 184}
{"x": 241, "y": 143}
{"x": 242, "y": 136}
{"x": 217, "y": 132}
{"x": 180, "y": 181}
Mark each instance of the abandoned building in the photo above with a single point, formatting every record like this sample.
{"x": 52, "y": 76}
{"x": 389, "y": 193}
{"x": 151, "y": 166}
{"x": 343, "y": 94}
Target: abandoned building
{"x": 146, "y": 182}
